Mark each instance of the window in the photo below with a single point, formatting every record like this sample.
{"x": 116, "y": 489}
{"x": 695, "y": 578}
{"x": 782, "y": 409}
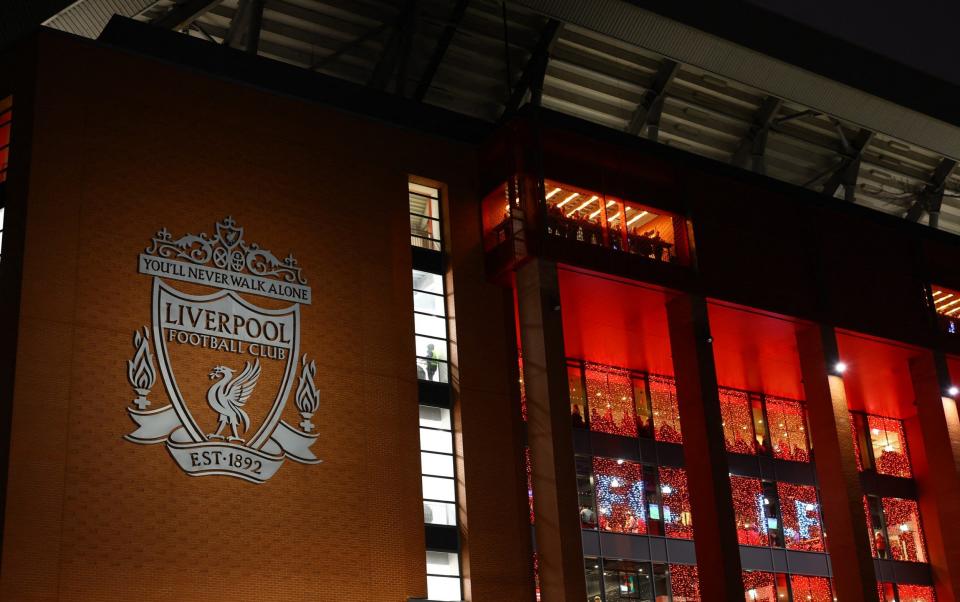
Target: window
{"x": 578, "y": 400}
{"x": 895, "y": 529}
{"x": 436, "y": 467}
{"x": 946, "y": 304}
{"x": 814, "y": 589}
{"x": 443, "y": 575}
{"x": 593, "y": 218}
{"x": 424, "y": 217}
{"x": 610, "y": 395}
{"x": 666, "y": 411}
{"x": 786, "y": 420}
{"x": 2, "y": 211}
{"x": 737, "y": 421}
{"x": 585, "y": 493}
{"x": 430, "y": 327}
{"x": 675, "y": 503}
{"x": 916, "y": 593}
{"x": 800, "y": 508}
{"x": 620, "y": 496}
{"x": 755, "y": 511}
{"x": 889, "y": 446}
{"x": 762, "y": 586}
{"x": 612, "y": 580}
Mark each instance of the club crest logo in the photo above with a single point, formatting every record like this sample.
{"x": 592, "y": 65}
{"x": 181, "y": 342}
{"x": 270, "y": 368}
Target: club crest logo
{"x": 229, "y": 365}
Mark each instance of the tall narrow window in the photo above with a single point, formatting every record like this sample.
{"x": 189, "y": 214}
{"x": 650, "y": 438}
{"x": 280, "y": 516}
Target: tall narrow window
{"x": 2, "y": 211}
{"x": 432, "y": 344}
{"x": 737, "y": 421}
{"x": 889, "y": 446}
{"x": 6, "y": 117}
{"x": 666, "y": 412}
{"x": 610, "y": 395}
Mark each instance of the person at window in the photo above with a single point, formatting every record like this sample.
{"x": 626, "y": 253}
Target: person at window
{"x": 427, "y": 514}
{"x": 588, "y": 518}
{"x": 432, "y": 364}
{"x": 577, "y": 417}
{"x": 880, "y": 544}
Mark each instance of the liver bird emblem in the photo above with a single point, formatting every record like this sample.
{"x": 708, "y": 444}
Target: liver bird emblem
{"x": 228, "y": 395}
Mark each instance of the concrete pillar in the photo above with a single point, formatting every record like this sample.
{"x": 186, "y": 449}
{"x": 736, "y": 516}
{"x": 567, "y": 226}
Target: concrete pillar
{"x": 549, "y": 433}
{"x": 933, "y": 441}
{"x": 708, "y": 472}
{"x": 844, "y": 518}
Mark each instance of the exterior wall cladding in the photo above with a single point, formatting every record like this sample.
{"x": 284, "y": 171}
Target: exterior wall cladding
{"x": 756, "y": 287}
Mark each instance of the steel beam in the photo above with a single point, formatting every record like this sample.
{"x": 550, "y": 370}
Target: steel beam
{"x": 849, "y": 168}
{"x": 443, "y": 42}
{"x": 396, "y": 49}
{"x": 183, "y": 14}
{"x": 535, "y": 69}
{"x": 244, "y": 31}
{"x": 650, "y": 108}
{"x": 751, "y": 151}
{"x": 931, "y": 197}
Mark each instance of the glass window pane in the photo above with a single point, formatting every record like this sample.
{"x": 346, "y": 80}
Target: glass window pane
{"x": 585, "y": 488}
{"x": 610, "y": 392}
{"x": 889, "y": 446}
{"x": 591, "y": 569}
{"x": 434, "y": 417}
{"x": 578, "y": 403}
{"x": 642, "y": 403}
{"x": 436, "y": 488}
{"x": 423, "y": 227}
{"x": 620, "y": 495}
{"x": 750, "y": 511}
{"x": 433, "y": 370}
{"x": 430, "y": 326}
{"x": 683, "y": 582}
{"x": 627, "y": 580}
{"x": 788, "y": 429}
{"x": 436, "y": 441}
{"x": 737, "y": 421}
{"x": 439, "y": 465}
{"x": 675, "y": 499}
{"x": 903, "y": 530}
{"x": 800, "y": 509}
{"x": 438, "y": 351}
{"x": 439, "y": 513}
{"x": 428, "y": 302}
{"x": 443, "y": 588}
{"x": 425, "y": 281}
{"x": 916, "y": 593}
{"x": 2, "y": 210}
{"x": 666, "y": 413}
{"x": 814, "y": 589}
{"x": 443, "y": 563}
{"x": 760, "y": 586}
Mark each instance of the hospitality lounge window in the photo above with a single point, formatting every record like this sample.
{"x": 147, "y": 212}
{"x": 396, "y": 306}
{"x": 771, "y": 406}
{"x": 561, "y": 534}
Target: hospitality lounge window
{"x": 593, "y": 218}
{"x": 895, "y": 529}
{"x": 616, "y": 401}
{"x": 946, "y": 305}
{"x": 881, "y": 444}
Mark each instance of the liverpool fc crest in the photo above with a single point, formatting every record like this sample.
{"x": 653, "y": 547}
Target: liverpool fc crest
{"x": 228, "y": 364}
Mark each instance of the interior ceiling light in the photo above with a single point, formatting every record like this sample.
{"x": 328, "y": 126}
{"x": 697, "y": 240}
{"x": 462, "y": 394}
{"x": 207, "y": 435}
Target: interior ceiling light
{"x": 586, "y": 203}
{"x": 568, "y": 199}
{"x": 553, "y": 193}
{"x": 636, "y": 217}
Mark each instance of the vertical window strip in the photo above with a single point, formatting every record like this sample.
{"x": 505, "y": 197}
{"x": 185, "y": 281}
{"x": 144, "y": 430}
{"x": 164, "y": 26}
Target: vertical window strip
{"x": 432, "y": 345}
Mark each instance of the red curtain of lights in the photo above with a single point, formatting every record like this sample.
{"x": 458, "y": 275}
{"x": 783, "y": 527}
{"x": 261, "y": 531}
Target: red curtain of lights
{"x": 760, "y": 586}
{"x": 683, "y": 583}
{"x": 621, "y": 503}
{"x": 788, "y": 429}
{"x": 814, "y": 589}
{"x": 675, "y": 499}
{"x": 737, "y": 421}
{"x": 748, "y": 509}
{"x": 904, "y": 534}
{"x": 666, "y": 412}
{"x": 856, "y": 442}
{"x": 876, "y": 537}
{"x": 916, "y": 593}
{"x": 889, "y": 446}
{"x": 610, "y": 395}
{"x": 578, "y": 403}
{"x": 800, "y": 509}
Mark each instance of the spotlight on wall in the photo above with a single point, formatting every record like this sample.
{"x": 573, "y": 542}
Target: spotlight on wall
{"x": 953, "y": 391}
{"x": 840, "y": 367}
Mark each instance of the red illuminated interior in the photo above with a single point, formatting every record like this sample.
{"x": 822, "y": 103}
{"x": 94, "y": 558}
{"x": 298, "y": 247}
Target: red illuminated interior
{"x": 675, "y": 496}
{"x": 683, "y": 582}
{"x": 6, "y": 116}
{"x": 814, "y": 589}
